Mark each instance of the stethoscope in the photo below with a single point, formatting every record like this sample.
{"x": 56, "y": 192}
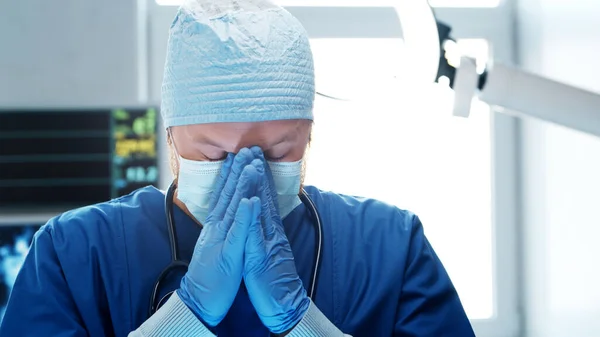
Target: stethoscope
{"x": 181, "y": 266}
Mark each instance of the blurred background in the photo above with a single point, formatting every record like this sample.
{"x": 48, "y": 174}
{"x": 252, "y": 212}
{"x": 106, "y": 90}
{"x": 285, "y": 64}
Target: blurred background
{"x": 510, "y": 205}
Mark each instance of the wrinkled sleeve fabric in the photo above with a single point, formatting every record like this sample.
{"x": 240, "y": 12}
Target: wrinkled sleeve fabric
{"x": 429, "y": 304}
{"x": 315, "y": 324}
{"x": 40, "y": 303}
{"x": 173, "y": 319}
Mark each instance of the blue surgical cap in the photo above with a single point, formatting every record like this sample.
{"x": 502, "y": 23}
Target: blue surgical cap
{"x": 236, "y": 61}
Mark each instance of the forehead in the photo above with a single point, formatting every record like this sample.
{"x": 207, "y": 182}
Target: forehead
{"x": 247, "y": 133}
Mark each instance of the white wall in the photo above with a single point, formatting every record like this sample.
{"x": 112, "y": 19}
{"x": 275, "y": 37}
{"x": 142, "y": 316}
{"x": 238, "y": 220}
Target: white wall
{"x": 69, "y": 52}
{"x": 561, "y": 175}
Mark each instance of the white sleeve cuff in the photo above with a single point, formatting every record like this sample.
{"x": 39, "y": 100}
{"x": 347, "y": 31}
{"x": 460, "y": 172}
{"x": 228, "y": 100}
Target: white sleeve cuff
{"x": 315, "y": 324}
{"x": 173, "y": 319}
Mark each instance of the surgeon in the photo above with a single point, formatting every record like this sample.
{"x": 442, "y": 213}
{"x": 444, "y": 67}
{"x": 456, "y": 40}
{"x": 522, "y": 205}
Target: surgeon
{"x": 237, "y": 102}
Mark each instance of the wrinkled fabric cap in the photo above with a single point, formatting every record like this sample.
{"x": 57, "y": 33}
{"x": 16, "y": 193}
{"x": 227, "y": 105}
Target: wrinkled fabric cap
{"x": 236, "y": 61}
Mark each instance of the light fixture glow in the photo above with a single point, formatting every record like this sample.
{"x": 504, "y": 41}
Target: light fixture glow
{"x": 365, "y": 3}
{"x": 412, "y": 60}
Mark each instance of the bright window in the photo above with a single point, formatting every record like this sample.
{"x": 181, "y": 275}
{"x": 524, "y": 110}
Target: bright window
{"x": 407, "y": 149}
{"x": 346, "y": 3}
{"x": 464, "y": 3}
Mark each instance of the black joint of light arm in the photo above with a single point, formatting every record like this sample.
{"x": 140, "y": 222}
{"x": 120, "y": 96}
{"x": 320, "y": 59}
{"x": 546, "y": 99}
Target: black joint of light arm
{"x": 444, "y": 67}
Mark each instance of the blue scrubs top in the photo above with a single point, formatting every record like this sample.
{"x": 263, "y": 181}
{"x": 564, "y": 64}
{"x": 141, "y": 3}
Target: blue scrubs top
{"x": 91, "y": 271}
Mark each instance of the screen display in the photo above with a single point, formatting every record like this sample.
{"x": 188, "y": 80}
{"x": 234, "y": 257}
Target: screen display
{"x": 59, "y": 158}
{"x": 14, "y": 245}
{"x": 135, "y": 161}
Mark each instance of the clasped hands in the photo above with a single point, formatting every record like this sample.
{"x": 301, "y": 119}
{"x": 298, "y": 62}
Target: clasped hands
{"x": 243, "y": 238}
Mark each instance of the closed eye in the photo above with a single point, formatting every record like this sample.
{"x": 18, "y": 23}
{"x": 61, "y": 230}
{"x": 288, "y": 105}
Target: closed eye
{"x": 222, "y": 157}
{"x": 275, "y": 158}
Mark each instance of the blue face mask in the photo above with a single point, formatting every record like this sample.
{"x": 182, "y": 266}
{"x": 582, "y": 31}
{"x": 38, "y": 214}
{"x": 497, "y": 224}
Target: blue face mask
{"x": 197, "y": 180}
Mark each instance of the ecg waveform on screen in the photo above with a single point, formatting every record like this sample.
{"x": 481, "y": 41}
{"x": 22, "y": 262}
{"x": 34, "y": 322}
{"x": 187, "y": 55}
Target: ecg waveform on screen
{"x": 14, "y": 246}
{"x": 135, "y": 133}
{"x": 135, "y": 159}
{"x": 136, "y": 147}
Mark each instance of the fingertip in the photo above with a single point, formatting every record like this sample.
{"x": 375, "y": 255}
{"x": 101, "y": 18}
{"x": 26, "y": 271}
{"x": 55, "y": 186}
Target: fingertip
{"x": 238, "y": 160}
{"x": 259, "y": 165}
{"x": 246, "y": 185}
{"x": 255, "y": 201}
{"x": 249, "y": 171}
{"x": 257, "y": 151}
{"x": 243, "y": 156}
{"x": 244, "y": 152}
{"x": 244, "y": 210}
{"x": 246, "y": 206}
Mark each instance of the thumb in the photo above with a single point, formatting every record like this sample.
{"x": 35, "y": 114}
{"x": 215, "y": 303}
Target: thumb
{"x": 255, "y": 241}
{"x": 238, "y": 232}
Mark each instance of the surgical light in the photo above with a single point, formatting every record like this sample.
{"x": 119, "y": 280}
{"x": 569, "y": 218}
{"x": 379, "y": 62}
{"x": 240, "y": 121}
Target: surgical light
{"x": 506, "y": 89}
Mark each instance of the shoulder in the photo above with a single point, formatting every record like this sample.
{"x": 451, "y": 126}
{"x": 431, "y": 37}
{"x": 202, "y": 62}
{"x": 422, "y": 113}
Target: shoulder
{"x": 365, "y": 240}
{"x": 369, "y": 226}
{"x": 363, "y": 213}
{"x": 103, "y": 220}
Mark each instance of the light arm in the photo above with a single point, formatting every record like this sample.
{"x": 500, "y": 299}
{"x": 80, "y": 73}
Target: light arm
{"x": 518, "y": 92}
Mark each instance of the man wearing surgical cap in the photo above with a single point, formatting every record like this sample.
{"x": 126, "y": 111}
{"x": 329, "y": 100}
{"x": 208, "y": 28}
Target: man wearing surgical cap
{"x": 237, "y": 103}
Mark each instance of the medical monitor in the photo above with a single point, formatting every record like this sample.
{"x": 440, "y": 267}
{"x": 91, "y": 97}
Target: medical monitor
{"x": 65, "y": 158}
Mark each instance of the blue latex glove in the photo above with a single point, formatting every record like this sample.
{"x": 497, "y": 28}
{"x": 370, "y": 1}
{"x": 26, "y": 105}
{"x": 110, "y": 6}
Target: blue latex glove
{"x": 215, "y": 272}
{"x": 274, "y": 287}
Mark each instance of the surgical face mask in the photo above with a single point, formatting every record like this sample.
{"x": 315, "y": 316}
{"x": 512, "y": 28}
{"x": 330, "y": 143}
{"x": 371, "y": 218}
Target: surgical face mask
{"x": 197, "y": 180}
{"x": 196, "y": 183}
{"x": 287, "y": 178}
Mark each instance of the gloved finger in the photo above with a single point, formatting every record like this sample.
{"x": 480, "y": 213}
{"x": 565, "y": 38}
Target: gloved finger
{"x": 260, "y": 170}
{"x": 245, "y": 188}
{"x": 242, "y": 158}
{"x": 247, "y": 185}
{"x": 205, "y": 234}
{"x": 258, "y": 153}
{"x": 255, "y": 240}
{"x": 264, "y": 193}
{"x": 220, "y": 183}
{"x": 235, "y": 242}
